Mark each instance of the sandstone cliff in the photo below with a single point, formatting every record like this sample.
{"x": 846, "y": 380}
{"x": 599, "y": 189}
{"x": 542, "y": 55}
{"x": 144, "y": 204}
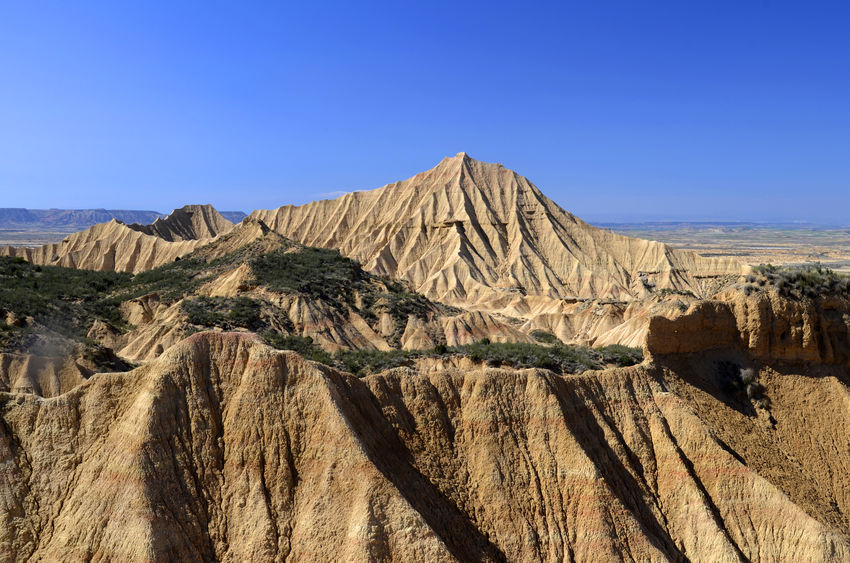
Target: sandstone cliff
{"x": 765, "y": 326}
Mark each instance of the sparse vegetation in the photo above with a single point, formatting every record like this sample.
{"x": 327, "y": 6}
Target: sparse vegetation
{"x": 304, "y": 345}
{"x": 340, "y": 282}
{"x": 315, "y": 272}
{"x": 809, "y": 281}
{"x": 621, "y": 355}
{"x": 170, "y": 281}
{"x": 227, "y": 313}
{"x": 741, "y": 382}
{"x": 560, "y": 358}
{"x": 61, "y": 299}
{"x": 544, "y": 337}
{"x": 365, "y": 362}
{"x": 397, "y": 300}
{"x": 668, "y": 291}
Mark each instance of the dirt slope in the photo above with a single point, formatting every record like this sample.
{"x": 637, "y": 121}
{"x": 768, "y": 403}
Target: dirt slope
{"x": 224, "y": 449}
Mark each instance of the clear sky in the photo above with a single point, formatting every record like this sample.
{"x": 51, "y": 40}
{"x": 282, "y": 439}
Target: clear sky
{"x": 623, "y": 110}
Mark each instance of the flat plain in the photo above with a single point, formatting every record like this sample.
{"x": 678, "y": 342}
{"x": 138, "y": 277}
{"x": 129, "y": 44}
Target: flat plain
{"x": 751, "y": 243}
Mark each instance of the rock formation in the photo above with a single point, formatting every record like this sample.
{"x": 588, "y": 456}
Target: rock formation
{"x": 190, "y": 222}
{"x": 466, "y": 233}
{"x": 106, "y": 246}
{"x": 130, "y": 248}
{"x": 332, "y": 324}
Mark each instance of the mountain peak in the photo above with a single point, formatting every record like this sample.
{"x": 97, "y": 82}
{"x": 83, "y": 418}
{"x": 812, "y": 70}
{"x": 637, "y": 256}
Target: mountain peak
{"x": 470, "y": 231}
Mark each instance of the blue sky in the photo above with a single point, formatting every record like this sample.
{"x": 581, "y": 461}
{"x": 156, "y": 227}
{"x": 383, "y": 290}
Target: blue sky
{"x": 616, "y": 110}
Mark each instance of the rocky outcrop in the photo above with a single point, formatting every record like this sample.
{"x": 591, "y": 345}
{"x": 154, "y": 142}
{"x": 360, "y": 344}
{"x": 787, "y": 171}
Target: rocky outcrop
{"x": 224, "y": 449}
{"x": 190, "y": 222}
{"x": 769, "y": 374}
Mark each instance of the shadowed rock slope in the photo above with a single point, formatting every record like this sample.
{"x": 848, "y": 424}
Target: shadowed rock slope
{"x": 472, "y": 233}
{"x": 190, "y": 222}
{"x": 224, "y": 449}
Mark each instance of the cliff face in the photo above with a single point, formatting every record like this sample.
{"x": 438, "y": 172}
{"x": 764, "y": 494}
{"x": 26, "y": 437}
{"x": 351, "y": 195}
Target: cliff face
{"x": 766, "y": 326}
{"x": 224, "y": 449}
{"x": 770, "y": 375}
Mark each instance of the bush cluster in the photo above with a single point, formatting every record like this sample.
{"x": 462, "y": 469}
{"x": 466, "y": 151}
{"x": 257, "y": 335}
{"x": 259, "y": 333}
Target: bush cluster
{"x": 223, "y": 312}
{"x": 304, "y": 345}
{"x": 621, "y": 355}
{"x": 170, "y": 281}
{"x": 544, "y": 337}
{"x": 809, "y": 281}
{"x": 319, "y": 273}
{"x": 397, "y": 300}
{"x": 668, "y": 291}
{"x": 559, "y": 358}
{"x": 741, "y": 382}
{"x": 324, "y": 274}
{"x": 62, "y": 299}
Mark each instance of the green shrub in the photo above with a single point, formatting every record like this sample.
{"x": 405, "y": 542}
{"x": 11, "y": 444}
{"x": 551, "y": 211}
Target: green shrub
{"x": 621, "y": 355}
{"x": 223, "y": 312}
{"x": 544, "y": 337}
{"x": 170, "y": 281}
{"x": 304, "y": 345}
{"x": 316, "y": 272}
{"x": 62, "y": 299}
{"x": 365, "y": 362}
{"x": 741, "y": 382}
{"x": 397, "y": 301}
{"x": 559, "y": 358}
{"x": 809, "y": 281}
